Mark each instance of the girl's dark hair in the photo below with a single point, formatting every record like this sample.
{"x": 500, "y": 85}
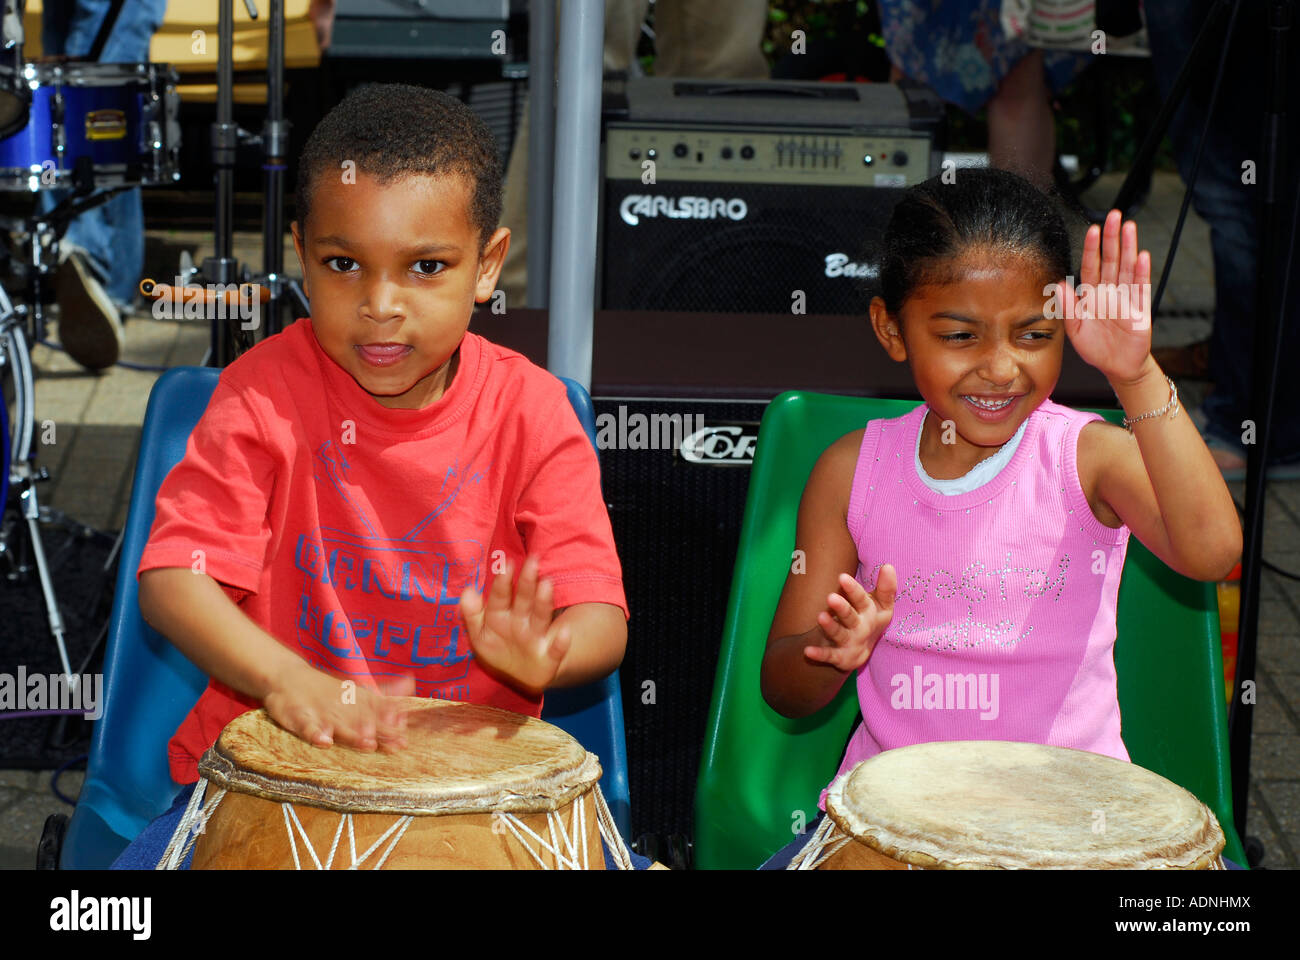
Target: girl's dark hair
{"x": 393, "y": 130}
{"x": 936, "y": 222}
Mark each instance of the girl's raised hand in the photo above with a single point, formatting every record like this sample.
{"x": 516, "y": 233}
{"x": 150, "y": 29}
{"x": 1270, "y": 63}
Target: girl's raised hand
{"x": 1108, "y": 319}
{"x": 855, "y": 620}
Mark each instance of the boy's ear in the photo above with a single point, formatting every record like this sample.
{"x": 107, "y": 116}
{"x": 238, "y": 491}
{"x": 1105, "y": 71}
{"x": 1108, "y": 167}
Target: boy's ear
{"x": 490, "y": 263}
{"x": 302, "y": 261}
{"x": 888, "y": 330}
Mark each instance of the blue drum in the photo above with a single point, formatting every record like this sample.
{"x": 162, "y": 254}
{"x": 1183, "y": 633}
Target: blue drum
{"x": 122, "y": 117}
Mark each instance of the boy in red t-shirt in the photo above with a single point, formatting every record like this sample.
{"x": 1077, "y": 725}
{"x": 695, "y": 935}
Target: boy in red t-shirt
{"x": 363, "y": 487}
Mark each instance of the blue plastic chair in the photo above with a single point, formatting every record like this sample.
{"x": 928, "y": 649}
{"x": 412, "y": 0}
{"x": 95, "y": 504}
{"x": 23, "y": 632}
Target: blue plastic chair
{"x": 150, "y": 686}
{"x": 593, "y": 715}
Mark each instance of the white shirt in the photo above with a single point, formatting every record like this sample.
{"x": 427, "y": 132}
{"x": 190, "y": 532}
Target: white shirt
{"x": 980, "y": 474}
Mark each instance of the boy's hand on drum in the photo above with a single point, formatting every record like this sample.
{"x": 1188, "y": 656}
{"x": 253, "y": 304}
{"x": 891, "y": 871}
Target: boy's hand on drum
{"x": 854, "y": 621}
{"x": 1111, "y": 326}
{"x": 514, "y": 637}
{"x": 323, "y": 709}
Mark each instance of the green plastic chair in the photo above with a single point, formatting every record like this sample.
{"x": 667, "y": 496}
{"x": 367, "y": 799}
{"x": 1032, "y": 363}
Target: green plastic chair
{"x": 761, "y": 773}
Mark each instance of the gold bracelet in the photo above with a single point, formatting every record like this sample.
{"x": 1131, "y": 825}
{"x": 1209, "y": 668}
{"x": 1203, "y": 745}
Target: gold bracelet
{"x": 1170, "y": 408}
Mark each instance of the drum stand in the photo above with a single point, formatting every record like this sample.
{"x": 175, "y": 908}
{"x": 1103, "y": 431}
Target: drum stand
{"x": 222, "y": 267}
{"x": 23, "y": 475}
{"x": 40, "y": 247}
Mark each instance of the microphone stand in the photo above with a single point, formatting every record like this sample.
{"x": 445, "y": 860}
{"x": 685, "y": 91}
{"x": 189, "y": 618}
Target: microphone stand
{"x": 222, "y": 267}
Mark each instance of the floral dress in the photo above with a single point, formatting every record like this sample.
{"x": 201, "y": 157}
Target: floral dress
{"x": 958, "y": 48}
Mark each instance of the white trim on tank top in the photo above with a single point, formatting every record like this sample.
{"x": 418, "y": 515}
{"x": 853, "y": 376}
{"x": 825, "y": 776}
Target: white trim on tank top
{"x": 980, "y": 474}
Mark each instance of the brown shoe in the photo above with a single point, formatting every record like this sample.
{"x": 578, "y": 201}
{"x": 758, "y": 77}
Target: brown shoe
{"x": 90, "y": 329}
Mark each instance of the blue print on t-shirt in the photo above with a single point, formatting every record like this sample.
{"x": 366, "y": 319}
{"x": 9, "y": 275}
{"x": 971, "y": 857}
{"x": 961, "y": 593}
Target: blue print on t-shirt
{"x": 409, "y": 590}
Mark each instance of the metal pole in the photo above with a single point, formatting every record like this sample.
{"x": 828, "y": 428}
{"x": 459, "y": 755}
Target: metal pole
{"x": 225, "y": 139}
{"x": 577, "y": 140}
{"x": 275, "y": 146}
{"x": 541, "y": 148}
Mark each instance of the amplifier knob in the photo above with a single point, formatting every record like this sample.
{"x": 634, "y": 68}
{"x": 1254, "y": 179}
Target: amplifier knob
{"x": 747, "y": 152}
{"x": 652, "y": 153}
{"x": 634, "y": 153}
{"x": 681, "y": 150}
{"x": 868, "y": 160}
{"x": 900, "y": 158}
{"x": 726, "y": 153}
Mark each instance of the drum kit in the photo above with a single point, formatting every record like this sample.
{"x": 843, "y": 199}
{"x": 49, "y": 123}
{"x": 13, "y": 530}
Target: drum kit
{"x": 75, "y": 134}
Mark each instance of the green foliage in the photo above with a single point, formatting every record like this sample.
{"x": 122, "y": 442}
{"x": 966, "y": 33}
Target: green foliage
{"x": 820, "y": 20}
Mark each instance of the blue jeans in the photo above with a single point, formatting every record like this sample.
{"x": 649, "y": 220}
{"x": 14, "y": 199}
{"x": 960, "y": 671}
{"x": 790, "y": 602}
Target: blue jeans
{"x": 147, "y": 849}
{"x": 113, "y": 233}
{"x": 1231, "y": 208}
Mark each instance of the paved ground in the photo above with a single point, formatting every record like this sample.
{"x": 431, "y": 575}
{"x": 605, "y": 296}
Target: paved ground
{"x": 97, "y": 432}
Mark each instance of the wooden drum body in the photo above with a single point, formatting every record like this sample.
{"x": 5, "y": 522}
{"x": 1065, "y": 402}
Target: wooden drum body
{"x": 972, "y": 805}
{"x": 475, "y": 787}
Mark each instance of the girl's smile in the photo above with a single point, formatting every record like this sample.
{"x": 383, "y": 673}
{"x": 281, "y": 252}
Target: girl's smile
{"x": 982, "y": 354}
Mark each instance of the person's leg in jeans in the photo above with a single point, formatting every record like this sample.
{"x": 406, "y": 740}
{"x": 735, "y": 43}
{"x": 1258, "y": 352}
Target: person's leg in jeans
{"x": 1230, "y": 207}
{"x": 111, "y": 234}
{"x": 781, "y": 859}
{"x": 146, "y": 850}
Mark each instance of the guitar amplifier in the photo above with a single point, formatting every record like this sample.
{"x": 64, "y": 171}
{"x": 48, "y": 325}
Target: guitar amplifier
{"x": 769, "y": 197}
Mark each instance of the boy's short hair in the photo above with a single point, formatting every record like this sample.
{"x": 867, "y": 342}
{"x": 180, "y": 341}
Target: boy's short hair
{"x": 393, "y": 130}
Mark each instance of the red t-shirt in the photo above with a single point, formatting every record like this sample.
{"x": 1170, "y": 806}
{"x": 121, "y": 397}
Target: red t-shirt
{"x": 348, "y": 530}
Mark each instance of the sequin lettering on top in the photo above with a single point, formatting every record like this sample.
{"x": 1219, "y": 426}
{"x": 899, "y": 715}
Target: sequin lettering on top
{"x": 979, "y": 625}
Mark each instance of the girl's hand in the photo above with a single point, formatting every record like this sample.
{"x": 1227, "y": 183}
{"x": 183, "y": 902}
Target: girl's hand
{"x": 514, "y": 640}
{"x": 1109, "y": 320}
{"x": 855, "y": 620}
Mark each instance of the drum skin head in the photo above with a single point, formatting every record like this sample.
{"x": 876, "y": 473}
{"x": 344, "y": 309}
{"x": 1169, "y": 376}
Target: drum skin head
{"x": 975, "y": 804}
{"x": 459, "y": 758}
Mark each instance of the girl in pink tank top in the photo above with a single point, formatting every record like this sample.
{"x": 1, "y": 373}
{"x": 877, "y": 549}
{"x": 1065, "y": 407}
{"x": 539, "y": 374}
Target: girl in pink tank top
{"x": 963, "y": 561}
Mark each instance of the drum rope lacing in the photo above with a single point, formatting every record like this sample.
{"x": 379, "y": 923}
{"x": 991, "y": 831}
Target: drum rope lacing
{"x": 573, "y": 846}
{"x": 815, "y": 851}
{"x": 290, "y": 813}
{"x": 604, "y": 823}
{"x": 192, "y": 823}
{"x": 821, "y": 847}
{"x": 197, "y": 813}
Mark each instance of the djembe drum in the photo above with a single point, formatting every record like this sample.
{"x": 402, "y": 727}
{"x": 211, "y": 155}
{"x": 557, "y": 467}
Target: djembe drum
{"x": 475, "y": 786}
{"x": 970, "y": 805}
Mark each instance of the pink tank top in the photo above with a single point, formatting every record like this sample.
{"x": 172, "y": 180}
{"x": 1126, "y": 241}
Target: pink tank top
{"x": 1004, "y": 621}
